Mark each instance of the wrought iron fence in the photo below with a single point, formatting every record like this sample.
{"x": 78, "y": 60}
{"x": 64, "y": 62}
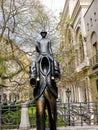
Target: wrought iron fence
{"x": 10, "y": 116}
{"x": 76, "y": 114}
{"x": 72, "y": 114}
{"x": 32, "y": 117}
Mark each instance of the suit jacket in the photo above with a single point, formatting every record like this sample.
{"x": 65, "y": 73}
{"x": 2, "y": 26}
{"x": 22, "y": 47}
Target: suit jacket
{"x": 39, "y": 90}
{"x": 44, "y": 46}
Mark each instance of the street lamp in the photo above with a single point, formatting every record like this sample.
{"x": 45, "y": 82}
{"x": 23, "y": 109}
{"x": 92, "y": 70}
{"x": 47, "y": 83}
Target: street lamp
{"x": 68, "y": 93}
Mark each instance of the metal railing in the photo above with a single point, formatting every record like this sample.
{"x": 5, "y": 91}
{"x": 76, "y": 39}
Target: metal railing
{"x": 71, "y": 114}
{"x": 76, "y": 114}
{"x": 10, "y": 116}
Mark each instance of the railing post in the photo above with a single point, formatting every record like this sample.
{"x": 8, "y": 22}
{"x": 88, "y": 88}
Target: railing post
{"x": 69, "y": 123}
{"x": 97, "y": 113}
{"x": 81, "y": 113}
{"x": 0, "y": 116}
{"x": 24, "y": 125}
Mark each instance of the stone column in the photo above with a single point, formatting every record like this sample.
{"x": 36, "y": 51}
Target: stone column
{"x": 24, "y": 125}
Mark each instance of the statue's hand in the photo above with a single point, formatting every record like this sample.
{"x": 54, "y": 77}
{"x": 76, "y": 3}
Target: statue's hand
{"x": 32, "y": 81}
{"x": 37, "y": 79}
{"x": 52, "y": 78}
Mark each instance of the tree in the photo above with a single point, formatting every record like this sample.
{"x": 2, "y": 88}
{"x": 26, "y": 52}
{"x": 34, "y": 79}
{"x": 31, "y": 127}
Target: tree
{"x": 20, "y": 24}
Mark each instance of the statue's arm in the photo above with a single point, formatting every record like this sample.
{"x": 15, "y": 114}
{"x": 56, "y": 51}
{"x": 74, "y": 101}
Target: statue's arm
{"x": 50, "y": 48}
{"x": 37, "y": 47}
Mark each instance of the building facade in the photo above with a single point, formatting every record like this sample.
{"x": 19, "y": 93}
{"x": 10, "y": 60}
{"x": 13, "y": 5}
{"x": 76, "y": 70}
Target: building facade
{"x": 91, "y": 23}
{"x": 79, "y": 49}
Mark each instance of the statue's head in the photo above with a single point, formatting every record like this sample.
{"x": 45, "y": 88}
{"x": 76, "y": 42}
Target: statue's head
{"x": 43, "y": 34}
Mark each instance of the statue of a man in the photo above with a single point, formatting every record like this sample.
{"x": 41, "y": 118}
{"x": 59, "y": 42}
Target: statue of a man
{"x": 45, "y": 91}
{"x": 43, "y": 47}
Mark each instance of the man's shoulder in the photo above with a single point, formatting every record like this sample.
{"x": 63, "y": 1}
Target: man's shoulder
{"x": 43, "y": 39}
{"x": 48, "y": 40}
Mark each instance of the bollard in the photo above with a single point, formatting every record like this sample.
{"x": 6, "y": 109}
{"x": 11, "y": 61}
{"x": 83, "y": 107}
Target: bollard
{"x": 24, "y": 124}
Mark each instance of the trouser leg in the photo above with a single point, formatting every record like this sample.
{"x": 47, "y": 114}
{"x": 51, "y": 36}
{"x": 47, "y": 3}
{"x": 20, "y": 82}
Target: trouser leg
{"x": 52, "y": 115}
{"x": 52, "y": 110}
{"x": 40, "y": 113}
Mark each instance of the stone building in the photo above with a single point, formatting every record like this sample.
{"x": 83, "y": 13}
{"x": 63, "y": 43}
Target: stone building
{"x": 79, "y": 50}
{"x": 91, "y": 24}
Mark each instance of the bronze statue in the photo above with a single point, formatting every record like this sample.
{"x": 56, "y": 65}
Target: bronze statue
{"x": 43, "y": 73}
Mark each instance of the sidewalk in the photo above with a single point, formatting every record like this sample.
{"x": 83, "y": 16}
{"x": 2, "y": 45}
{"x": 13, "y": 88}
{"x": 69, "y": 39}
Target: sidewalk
{"x": 75, "y": 128}
{"x": 69, "y": 128}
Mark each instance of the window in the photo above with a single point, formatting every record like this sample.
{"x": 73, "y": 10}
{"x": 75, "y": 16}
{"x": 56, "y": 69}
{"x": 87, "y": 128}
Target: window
{"x": 91, "y": 22}
{"x": 81, "y": 48}
{"x": 69, "y": 36}
{"x": 97, "y": 85}
{"x": 94, "y": 47}
{"x": 4, "y": 98}
{"x": 87, "y": 26}
{"x": 77, "y": 58}
{"x": 97, "y": 56}
{"x": 95, "y": 53}
{"x": 95, "y": 16}
{"x": 0, "y": 98}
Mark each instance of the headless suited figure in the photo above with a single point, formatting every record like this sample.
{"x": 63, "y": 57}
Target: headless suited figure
{"x": 46, "y": 97}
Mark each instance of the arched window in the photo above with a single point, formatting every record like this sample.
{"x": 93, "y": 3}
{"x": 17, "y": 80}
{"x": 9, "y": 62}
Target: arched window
{"x": 93, "y": 38}
{"x": 94, "y": 47}
{"x": 97, "y": 85}
{"x": 11, "y": 97}
{"x": 69, "y": 36}
{"x": 4, "y": 98}
{"x": 77, "y": 46}
{"x": 81, "y": 47}
{"x": 0, "y": 98}
{"x": 17, "y": 97}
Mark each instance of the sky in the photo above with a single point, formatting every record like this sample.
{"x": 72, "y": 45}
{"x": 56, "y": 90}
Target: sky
{"x": 55, "y": 5}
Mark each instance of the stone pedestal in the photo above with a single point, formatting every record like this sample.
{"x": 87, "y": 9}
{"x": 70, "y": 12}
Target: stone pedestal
{"x": 24, "y": 125}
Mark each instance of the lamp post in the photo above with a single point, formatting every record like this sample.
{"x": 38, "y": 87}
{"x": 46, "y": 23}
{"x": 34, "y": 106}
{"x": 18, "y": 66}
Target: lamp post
{"x": 68, "y": 93}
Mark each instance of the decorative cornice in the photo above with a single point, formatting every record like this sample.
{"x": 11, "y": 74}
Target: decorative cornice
{"x": 76, "y": 10}
{"x": 79, "y": 5}
{"x": 65, "y": 12}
